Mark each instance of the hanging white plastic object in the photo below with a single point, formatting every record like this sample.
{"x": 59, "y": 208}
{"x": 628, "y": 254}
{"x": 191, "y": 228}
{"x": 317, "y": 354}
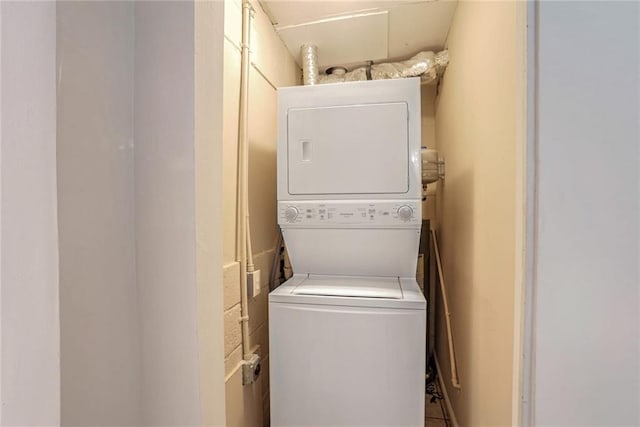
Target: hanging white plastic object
{"x": 432, "y": 166}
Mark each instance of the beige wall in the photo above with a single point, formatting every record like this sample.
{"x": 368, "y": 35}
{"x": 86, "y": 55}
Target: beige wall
{"x": 272, "y": 66}
{"x": 477, "y": 127}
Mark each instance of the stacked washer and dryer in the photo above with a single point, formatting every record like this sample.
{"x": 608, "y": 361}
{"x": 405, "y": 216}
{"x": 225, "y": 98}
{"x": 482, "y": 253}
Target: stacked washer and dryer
{"x": 347, "y": 331}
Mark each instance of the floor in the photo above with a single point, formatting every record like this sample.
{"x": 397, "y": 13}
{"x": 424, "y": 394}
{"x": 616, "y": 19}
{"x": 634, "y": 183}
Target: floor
{"x": 435, "y": 409}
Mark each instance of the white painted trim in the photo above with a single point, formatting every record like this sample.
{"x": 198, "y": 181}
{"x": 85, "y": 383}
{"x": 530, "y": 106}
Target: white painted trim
{"x": 1, "y": 405}
{"x": 209, "y": 221}
{"x": 524, "y": 356}
{"x": 451, "y": 415}
{"x": 525, "y": 176}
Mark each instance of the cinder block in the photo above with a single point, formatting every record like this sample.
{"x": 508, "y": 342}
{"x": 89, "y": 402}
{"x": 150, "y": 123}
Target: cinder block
{"x": 232, "y": 329}
{"x": 231, "y": 281}
{"x": 232, "y": 362}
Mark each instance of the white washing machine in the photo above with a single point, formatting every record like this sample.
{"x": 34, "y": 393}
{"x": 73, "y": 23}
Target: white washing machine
{"x": 347, "y": 331}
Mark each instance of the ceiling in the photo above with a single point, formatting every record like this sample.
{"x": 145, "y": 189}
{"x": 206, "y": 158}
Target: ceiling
{"x": 352, "y": 32}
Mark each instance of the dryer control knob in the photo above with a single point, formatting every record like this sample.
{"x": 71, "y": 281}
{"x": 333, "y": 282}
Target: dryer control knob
{"x": 290, "y": 214}
{"x": 405, "y": 213}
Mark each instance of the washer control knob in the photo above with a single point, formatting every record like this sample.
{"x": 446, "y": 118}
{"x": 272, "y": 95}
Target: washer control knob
{"x": 290, "y": 214}
{"x": 405, "y": 212}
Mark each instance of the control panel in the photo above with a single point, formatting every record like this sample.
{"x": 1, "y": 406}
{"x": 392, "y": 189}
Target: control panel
{"x": 370, "y": 213}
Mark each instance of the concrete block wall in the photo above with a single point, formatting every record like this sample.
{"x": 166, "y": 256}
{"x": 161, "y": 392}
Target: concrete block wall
{"x": 272, "y": 67}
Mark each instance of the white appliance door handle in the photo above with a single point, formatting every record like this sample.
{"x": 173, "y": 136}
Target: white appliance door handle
{"x": 306, "y": 151}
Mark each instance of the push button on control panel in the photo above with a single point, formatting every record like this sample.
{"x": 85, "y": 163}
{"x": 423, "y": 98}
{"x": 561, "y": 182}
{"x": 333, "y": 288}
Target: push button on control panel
{"x": 405, "y": 213}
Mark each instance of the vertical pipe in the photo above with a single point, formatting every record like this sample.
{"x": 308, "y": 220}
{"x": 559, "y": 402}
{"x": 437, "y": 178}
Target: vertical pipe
{"x": 447, "y": 315}
{"x": 243, "y": 176}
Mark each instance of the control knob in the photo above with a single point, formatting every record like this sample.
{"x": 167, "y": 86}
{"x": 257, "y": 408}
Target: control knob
{"x": 290, "y": 214}
{"x": 405, "y": 212}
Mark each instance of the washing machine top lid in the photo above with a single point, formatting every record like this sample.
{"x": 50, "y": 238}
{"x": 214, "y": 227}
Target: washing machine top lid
{"x": 406, "y": 290}
{"x": 341, "y": 286}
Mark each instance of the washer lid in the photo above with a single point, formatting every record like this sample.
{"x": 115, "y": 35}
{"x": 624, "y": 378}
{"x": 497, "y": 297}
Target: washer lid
{"x": 363, "y": 287}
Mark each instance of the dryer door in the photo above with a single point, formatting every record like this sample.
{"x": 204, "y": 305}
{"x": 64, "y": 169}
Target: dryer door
{"x": 349, "y": 149}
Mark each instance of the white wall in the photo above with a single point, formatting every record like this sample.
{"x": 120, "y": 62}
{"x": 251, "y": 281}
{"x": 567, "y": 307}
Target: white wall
{"x": 100, "y": 341}
{"x": 165, "y": 212}
{"x": 167, "y": 201}
{"x": 586, "y": 324}
{"x": 141, "y": 300}
{"x": 30, "y": 381}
